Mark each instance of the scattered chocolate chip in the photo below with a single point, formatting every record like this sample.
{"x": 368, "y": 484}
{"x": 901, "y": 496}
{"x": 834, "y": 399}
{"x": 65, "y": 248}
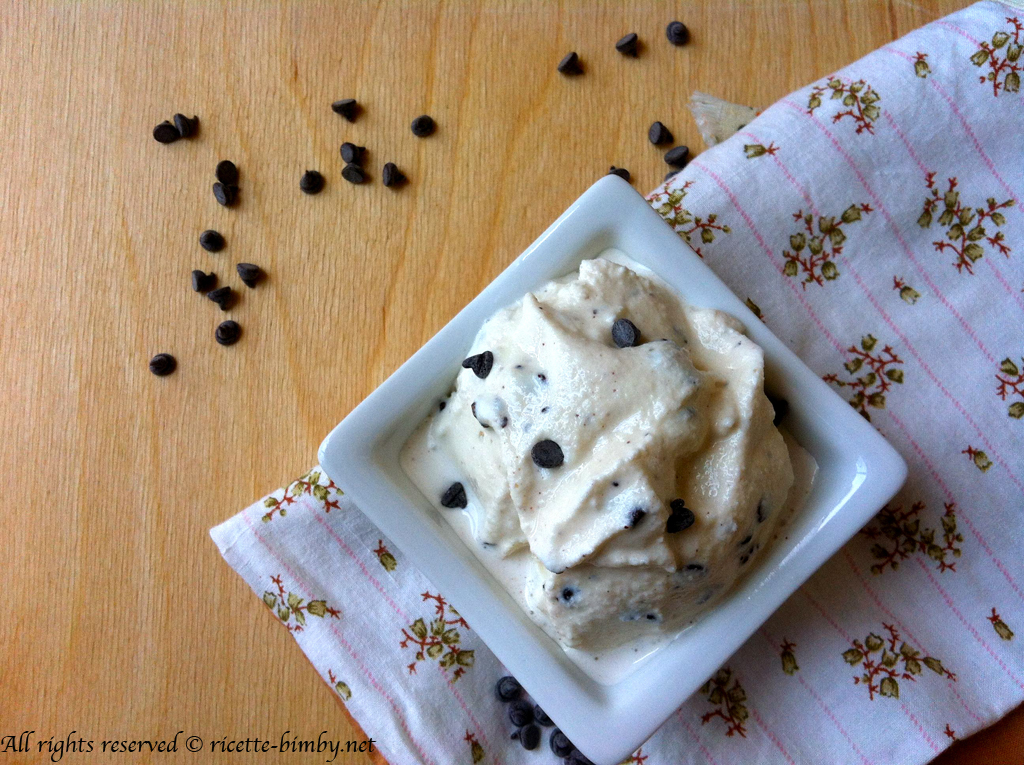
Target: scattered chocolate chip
{"x": 540, "y": 717}
{"x": 622, "y": 172}
{"x": 762, "y": 512}
{"x": 560, "y": 744}
{"x": 454, "y": 496}
{"x": 508, "y": 688}
{"x": 635, "y": 516}
{"x": 392, "y": 176}
{"x": 659, "y": 134}
{"x": 744, "y": 558}
{"x": 347, "y": 108}
{"x": 228, "y": 332}
{"x": 625, "y": 334}
{"x": 227, "y": 172}
{"x": 547, "y": 454}
{"x": 184, "y": 125}
{"x": 671, "y": 174}
{"x": 311, "y": 182}
{"x": 473, "y": 409}
{"x": 162, "y": 364}
{"x": 351, "y": 153}
{"x": 504, "y": 421}
{"x": 570, "y": 64}
{"x": 529, "y": 737}
{"x": 544, "y": 410}
{"x": 202, "y": 282}
{"x": 423, "y": 126}
{"x": 441, "y": 406}
{"x": 627, "y": 45}
{"x": 745, "y": 539}
{"x": 651, "y": 617}
{"x": 677, "y": 33}
{"x": 678, "y": 156}
{"x": 211, "y": 241}
{"x": 576, "y": 757}
{"x": 225, "y": 194}
{"x": 542, "y": 377}
{"x": 165, "y": 132}
{"x": 694, "y": 567}
{"x": 680, "y": 518}
{"x": 249, "y": 273}
{"x": 480, "y": 364}
{"x": 520, "y": 713}
{"x": 781, "y": 407}
{"x": 353, "y": 174}
{"x": 568, "y": 594}
{"x": 222, "y": 296}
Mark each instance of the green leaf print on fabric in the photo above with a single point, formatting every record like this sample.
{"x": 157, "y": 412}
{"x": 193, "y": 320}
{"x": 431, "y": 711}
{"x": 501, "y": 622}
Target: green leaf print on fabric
{"x": 1002, "y": 56}
{"x": 897, "y": 534}
{"x": 880, "y": 660}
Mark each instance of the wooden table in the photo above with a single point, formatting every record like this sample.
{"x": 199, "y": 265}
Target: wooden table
{"x": 121, "y": 618}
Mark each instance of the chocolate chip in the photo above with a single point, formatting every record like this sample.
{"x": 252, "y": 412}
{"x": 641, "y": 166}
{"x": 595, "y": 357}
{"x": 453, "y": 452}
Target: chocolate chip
{"x": 627, "y": 45}
{"x": 162, "y": 364}
{"x": 560, "y": 744}
{"x": 454, "y": 496}
{"x": 184, "y": 125}
{"x": 678, "y": 156}
{"x": 352, "y": 153}
{"x": 622, "y": 172}
{"x": 568, "y": 594}
{"x": 165, "y": 132}
{"x": 228, "y": 332}
{"x": 311, "y": 182}
{"x": 744, "y": 558}
{"x": 671, "y": 174}
{"x": 635, "y": 516}
{"x": 347, "y": 108}
{"x": 651, "y": 617}
{"x": 225, "y": 194}
{"x": 222, "y": 296}
{"x": 625, "y": 334}
{"x": 781, "y": 407}
{"x": 391, "y": 175}
{"x": 249, "y": 273}
{"x": 659, "y": 134}
{"x": 694, "y": 567}
{"x": 227, "y": 172}
{"x": 520, "y": 713}
{"x": 677, "y": 33}
{"x": 547, "y": 454}
{"x": 480, "y": 364}
{"x": 211, "y": 241}
{"x": 529, "y": 737}
{"x": 745, "y": 539}
{"x": 508, "y": 689}
{"x": 473, "y": 409}
{"x": 504, "y": 421}
{"x": 423, "y": 126}
{"x": 353, "y": 174}
{"x": 202, "y": 282}
{"x": 570, "y": 64}
{"x": 542, "y": 377}
{"x": 680, "y": 518}
{"x": 576, "y": 757}
{"x": 441, "y": 405}
{"x": 762, "y": 513}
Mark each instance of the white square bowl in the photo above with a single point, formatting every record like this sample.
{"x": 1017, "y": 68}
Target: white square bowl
{"x": 858, "y": 472}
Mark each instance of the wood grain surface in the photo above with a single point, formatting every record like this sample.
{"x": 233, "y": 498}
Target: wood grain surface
{"x": 121, "y": 619}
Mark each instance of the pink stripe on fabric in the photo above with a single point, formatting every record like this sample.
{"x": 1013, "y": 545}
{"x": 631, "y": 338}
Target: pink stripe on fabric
{"x": 771, "y": 256}
{"x": 774, "y": 739}
{"x": 379, "y": 587}
{"x": 693, "y": 734}
{"x": 949, "y": 498}
{"x": 472, "y": 717}
{"x": 880, "y": 206}
{"x": 1015, "y": 294}
{"x": 969, "y": 626}
{"x": 904, "y": 629}
{"x": 967, "y": 129}
{"x": 962, "y": 32}
{"x": 924, "y": 734}
{"x": 821, "y": 703}
{"x": 337, "y": 633}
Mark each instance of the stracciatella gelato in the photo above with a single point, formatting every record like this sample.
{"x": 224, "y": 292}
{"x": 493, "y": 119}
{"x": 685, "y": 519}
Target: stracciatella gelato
{"x": 610, "y": 453}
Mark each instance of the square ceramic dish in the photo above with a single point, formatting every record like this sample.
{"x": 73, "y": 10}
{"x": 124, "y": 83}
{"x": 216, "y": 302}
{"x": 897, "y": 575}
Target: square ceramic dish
{"x": 858, "y": 472}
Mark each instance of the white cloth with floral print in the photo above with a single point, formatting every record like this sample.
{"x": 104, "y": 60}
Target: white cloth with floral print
{"x": 875, "y": 220}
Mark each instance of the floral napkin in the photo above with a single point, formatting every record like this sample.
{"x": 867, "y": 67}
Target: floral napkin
{"x": 874, "y": 220}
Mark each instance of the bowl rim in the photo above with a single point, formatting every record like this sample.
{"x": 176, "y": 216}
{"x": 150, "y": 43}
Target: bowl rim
{"x": 608, "y": 722}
